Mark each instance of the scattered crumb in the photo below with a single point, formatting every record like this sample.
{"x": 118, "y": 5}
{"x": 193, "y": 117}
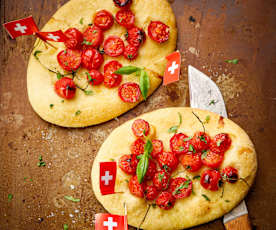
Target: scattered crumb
{"x": 194, "y": 51}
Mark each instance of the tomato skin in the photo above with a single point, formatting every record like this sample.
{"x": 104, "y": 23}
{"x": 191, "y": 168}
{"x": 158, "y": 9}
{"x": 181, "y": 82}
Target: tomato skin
{"x": 230, "y": 174}
{"x": 129, "y": 92}
{"x": 161, "y": 180}
{"x": 165, "y": 200}
{"x": 178, "y": 144}
{"x": 131, "y": 52}
{"x": 125, "y": 18}
{"x": 157, "y": 148}
{"x": 191, "y": 161}
{"x": 200, "y": 141}
{"x": 150, "y": 192}
{"x": 167, "y": 161}
{"x": 74, "y": 38}
{"x": 93, "y": 35}
{"x": 135, "y": 188}
{"x": 103, "y": 19}
{"x": 135, "y": 36}
{"x": 180, "y": 193}
{"x": 91, "y": 59}
{"x": 158, "y": 31}
{"x": 212, "y": 159}
{"x": 151, "y": 170}
{"x": 69, "y": 60}
{"x": 65, "y": 88}
{"x": 210, "y": 179}
{"x": 139, "y": 127}
{"x": 114, "y": 46}
{"x": 128, "y": 163}
{"x": 122, "y": 3}
{"x": 97, "y": 77}
{"x": 110, "y": 78}
{"x": 220, "y": 143}
{"x": 137, "y": 147}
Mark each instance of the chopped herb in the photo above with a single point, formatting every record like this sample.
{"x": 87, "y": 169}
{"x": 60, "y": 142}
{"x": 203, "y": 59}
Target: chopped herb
{"x": 51, "y": 106}
{"x": 188, "y": 167}
{"x": 202, "y": 138}
{"x": 72, "y": 198}
{"x": 77, "y": 113}
{"x": 41, "y": 162}
{"x": 126, "y": 35}
{"x": 181, "y": 186}
{"x": 139, "y": 157}
{"x": 212, "y": 102}
{"x": 101, "y": 51}
{"x": 181, "y": 148}
{"x": 126, "y": 180}
{"x": 227, "y": 201}
{"x": 90, "y": 24}
{"x": 196, "y": 177}
{"x": 191, "y": 148}
{"x": 36, "y": 53}
{"x": 88, "y": 92}
{"x": 94, "y": 31}
{"x": 160, "y": 177}
{"x": 153, "y": 205}
{"x": 59, "y": 75}
{"x": 219, "y": 142}
{"x": 65, "y": 51}
{"x": 62, "y": 101}
{"x": 174, "y": 128}
{"x": 206, "y": 197}
{"x": 233, "y": 61}
{"x": 204, "y": 154}
{"x": 66, "y": 63}
{"x": 165, "y": 167}
{"x": 81, "y": 21}
{"x": 65, "y": 227}
{"x": 207, "y": 119}
{"x": 129, "y": 56}
{"x": 86, "y": 43}
{"x": 10, "y": 196}
{"x": 187, "y": 139}
{"x": 111, "y": 159}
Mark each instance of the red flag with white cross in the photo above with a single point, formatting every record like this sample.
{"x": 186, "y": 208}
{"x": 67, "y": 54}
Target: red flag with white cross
{"x": 172, "y": 71}
{"x": 108, "y": 172}
{"x": 56, "y": 36}
{"x": 25, "y": 26}
{"x": 105, "y": 221}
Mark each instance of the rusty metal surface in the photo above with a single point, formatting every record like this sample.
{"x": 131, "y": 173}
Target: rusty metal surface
{"x": 219, "y": 30}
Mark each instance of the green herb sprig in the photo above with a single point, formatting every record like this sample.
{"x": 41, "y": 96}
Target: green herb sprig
{"x": 41, "y": 162}
{"x": 174, "y": 128}
{"x": 72, "y": 198}
{"x": 233, "y": 61}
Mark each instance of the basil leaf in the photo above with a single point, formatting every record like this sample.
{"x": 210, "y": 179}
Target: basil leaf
{"x": 144, "y": 83}
{"x": 148, "y": 147}
{"x": 142, "y": 168}
{"x": 233, "y": 61}
{"x": 81, "y": 21}
{"x": 72, "y": 198}
{"x": 127, "y": 70}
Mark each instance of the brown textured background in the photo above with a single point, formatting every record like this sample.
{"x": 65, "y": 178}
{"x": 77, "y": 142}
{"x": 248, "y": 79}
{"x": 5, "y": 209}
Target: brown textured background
{"x": 222, "y": 30}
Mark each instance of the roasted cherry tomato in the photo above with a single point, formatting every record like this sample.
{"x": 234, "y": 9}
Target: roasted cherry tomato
{"x": 125, "y": 18}
{"x": 91, "y": 59}
{"x": 122, "y": 3}
{"x": 131, "y": 52}
{"x": 135, "y": 36}
{"x": 128, "y": 163}
{"x": 140, "y": 128}
{"x": 94, "y": 77}
{"x": 137, "y": 147}
{"x": 157, "y": 148}
{"x": 161, "y": 180}
{"x": 211, "y": 159}
{"x": 165, "y": 200}
{"x": 167, "y": 161}
{"x": 180, "y": 187}
{"x": 151, "y": 170}
{"x": 74, "y": 38}
{"x": 65, "y": 88}
{"x": 103, "y": 19}
{"x": 158, "y": 31}
{"x": 129, "y": 92}
{"x": 179, "y": 143}
{"x": 114, "y": 46}
{"x": 220, "y": 143}
{"x": 230, "y": 174}
{"x": 69, "y": 60}
{"x": 200, "y": 141}
{"x": 135, "y": 188}
{"x": 210, "y": 179}
{"x": 191, "y": 161}
{"x": 150, "y": 192}
{"x": 110, "y": 78}
{"x": 92, "y": 37}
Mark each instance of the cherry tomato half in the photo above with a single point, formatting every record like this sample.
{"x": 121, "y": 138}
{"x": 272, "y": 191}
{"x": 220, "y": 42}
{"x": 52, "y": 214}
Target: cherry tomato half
{"x": 211, "y": 159}
{"x": 129, "y": 92}
{"x": 91, "y": 59}
{"x": 92, "y": 37}
{"x": 69, "y": 60}
{"x": 114, "y": 46}
{"x": 158, "y": 31}
{"x": 131, "y": 52}
{"x": 165, "y": 200}
{"x": 135, "y": 36}
{"x": 94, "y": 77}
{"x": 103, "y": 19}
{"x": 65, "y": 88}
{"x": 210, "y": 179}
{"x": 135, "y": 188}
{"x": 181, "y": 187}
{"x": 140, "y": 127}
{"x": 191, "y": 161}
{"x": 128, "y": 163}
{"x": 125, "y": 18}
{"x": 74, "y": 38}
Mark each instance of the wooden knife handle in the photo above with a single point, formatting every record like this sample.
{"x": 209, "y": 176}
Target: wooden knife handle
{"x": 240, "y": 223}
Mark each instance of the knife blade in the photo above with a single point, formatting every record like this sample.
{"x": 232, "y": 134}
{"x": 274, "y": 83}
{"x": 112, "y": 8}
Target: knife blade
{"x": 205, "y": 94}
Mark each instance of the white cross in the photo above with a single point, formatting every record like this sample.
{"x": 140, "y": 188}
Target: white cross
{"x": 55, "y": 38}
{"x": 110, "y": 224}
{"x": 106, "y": 178}
{"x": 20, "y": 28}
{"x": 173, "y": 67}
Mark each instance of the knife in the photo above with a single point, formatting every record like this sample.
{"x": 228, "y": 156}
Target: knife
{"x": 204, "y": 94}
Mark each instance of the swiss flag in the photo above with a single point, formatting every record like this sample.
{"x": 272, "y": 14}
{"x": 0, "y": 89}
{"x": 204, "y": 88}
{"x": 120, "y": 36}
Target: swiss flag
{"x": 106, "y": 221}
{"x": 56, "y": 36}
{"x": 25, "y": 26}
{"x": 108, "y": 172}
{"x": 173, "y": 68}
